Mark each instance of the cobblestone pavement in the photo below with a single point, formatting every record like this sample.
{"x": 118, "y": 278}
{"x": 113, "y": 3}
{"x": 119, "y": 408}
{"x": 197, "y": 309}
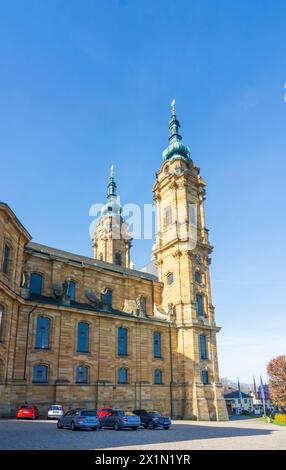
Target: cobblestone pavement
{"x": 183, "y": 435}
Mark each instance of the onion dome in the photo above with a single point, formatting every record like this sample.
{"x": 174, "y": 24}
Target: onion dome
{"x": 176, "y": 148}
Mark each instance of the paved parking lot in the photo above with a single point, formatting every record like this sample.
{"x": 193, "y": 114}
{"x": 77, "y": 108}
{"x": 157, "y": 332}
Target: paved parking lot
{"x": 240, "y": 434}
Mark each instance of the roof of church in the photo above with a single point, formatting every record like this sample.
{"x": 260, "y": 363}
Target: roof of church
{"x": 41, "y": 299}
{"x": 85, "y": 260}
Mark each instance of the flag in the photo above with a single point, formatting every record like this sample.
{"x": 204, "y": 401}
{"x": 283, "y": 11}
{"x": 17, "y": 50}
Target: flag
{"x": 262, "y": 396}
{"x": 239, "y": 391}
{"x": 254, "y": 387}
{"x": 262, "y": 390}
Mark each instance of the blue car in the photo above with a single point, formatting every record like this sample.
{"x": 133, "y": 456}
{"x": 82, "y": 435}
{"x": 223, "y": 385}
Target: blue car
{"x": 80, "y": 418}
{"x": 153, "y": 419}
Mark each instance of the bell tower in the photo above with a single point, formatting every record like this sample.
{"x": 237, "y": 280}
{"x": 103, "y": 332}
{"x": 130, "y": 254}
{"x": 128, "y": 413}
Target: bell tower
{"x": 182, "y": 253}
{"x": 111, "y": 240}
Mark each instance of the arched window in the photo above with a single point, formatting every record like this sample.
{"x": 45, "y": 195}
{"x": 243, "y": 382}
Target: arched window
{"x": 82, "y": 375}
{"x": 118, "y": 258}
{"x": 36, "y": 282}
{"x": 122, "y": 341}
{"x": 203, "y": 347}
{"x": 1, "y": 321}
{"x": 170, "y": 278}
{"x": 107, "y": 297}
{"x": 157, "y": 344}
{"x": 158, "y": 376}
{"x": 168, "y": 215}
{"x": 82, "y": 337}
{"x": 43, "y": 333}
{"x": 205, "y": 377}
{"x": 198, "y": 277}
{"x": 6, "y": 259}
{"x": 71, "y": 289}
{"x": 122, "y": 375}
{"x": 40, "y": 373}
{"x": 200, "y": 308}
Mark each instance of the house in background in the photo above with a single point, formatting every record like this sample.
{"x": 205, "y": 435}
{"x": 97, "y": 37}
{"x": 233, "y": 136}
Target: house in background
{"x": 235, "y": 404}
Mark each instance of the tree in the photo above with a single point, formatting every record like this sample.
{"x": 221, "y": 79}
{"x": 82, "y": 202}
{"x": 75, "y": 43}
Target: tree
{"x": 277, "y": 379}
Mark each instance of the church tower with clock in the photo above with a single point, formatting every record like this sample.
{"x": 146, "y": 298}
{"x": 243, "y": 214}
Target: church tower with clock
{"x": 182, "y": 253}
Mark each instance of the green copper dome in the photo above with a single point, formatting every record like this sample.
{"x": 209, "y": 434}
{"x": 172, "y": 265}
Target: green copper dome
{"x": 176, "y": 146}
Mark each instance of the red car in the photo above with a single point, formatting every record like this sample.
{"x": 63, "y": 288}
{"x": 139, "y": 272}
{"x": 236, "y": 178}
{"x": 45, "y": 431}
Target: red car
{"x": 28, "y": 412}
{"x": 104, "y": 411}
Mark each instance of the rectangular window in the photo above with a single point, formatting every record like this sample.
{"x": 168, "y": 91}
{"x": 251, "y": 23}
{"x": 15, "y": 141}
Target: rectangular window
{"x": 199, "y": 300}
{"x": 157, "y": 344}
{"x": 40, "y": 374}
{"x": 71, "y": 290}
{"x": 205, "y": 377}
{"x": 42, "y": 333}
{"x": 122, "y": 341}
{"x": 82, "y": 375}
{"x": 82, "y": 337}
{"x": 36, "y": 281}
{"x": 203, "y": 347}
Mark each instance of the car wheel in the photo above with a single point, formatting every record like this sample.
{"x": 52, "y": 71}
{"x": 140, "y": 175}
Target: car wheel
{"x": 151, "y": 425}
{"x": 145, "y": 426}
{"x": 94, "y": 429}
{"x": 134, "y": 429}
{"x": 166, "y": 427}
{"x": 73, "y": 427}
{"x": 100, "y": 426}
{"x": 59, "y": 425}
{"x": 116, "y": 427}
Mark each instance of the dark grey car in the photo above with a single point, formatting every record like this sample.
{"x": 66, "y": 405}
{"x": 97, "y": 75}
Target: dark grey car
{"x": 79, "y": 418}
{"x": 118, "y": 419}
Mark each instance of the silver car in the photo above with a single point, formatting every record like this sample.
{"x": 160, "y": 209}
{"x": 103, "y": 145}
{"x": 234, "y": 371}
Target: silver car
{"x": 80, "y": 418}
{"x": 55, "y": 412}
{"x": 118, "y": 419}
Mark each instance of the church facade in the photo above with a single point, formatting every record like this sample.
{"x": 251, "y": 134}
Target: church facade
{"x": 90, "y": 332}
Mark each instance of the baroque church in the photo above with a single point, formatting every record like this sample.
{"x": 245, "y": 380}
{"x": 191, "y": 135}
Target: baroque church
{"x": 80, "y": 331}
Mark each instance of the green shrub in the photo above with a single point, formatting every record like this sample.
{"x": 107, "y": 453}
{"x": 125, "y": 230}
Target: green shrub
{"x": 280, "y": 418}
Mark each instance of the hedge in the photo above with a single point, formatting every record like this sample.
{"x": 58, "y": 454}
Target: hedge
{"x": 280, "y": 418}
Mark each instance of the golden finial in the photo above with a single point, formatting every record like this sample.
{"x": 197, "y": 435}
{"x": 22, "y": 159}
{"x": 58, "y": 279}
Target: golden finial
{"x": 173, "y": 106}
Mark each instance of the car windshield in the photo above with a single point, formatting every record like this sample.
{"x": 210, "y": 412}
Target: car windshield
{"x": 26, "y": 407}
{"x": 56, "y": 407}
{"x": 88, "y": 413}
{"x": 129, "y": 413}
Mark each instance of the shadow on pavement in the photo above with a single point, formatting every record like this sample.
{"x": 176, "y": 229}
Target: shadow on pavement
{"x": 45, "y": 435}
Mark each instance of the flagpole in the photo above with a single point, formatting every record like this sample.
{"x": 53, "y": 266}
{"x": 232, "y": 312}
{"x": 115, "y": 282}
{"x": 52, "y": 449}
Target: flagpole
{"x": 262, "y": 396}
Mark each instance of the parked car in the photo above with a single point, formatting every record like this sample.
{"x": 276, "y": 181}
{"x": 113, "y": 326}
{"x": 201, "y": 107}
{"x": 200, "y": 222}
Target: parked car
{"x": 119, "y": 419}
{"x": 55, "y": 412}
{"x": 104, "y": 411}
{"x": 153, "y": 419}
{"x": 27, "y": 412}
{"x": 80, "y": 418}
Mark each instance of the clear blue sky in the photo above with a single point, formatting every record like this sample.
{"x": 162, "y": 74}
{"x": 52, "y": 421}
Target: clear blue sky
{"x": 84, "y": 84}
